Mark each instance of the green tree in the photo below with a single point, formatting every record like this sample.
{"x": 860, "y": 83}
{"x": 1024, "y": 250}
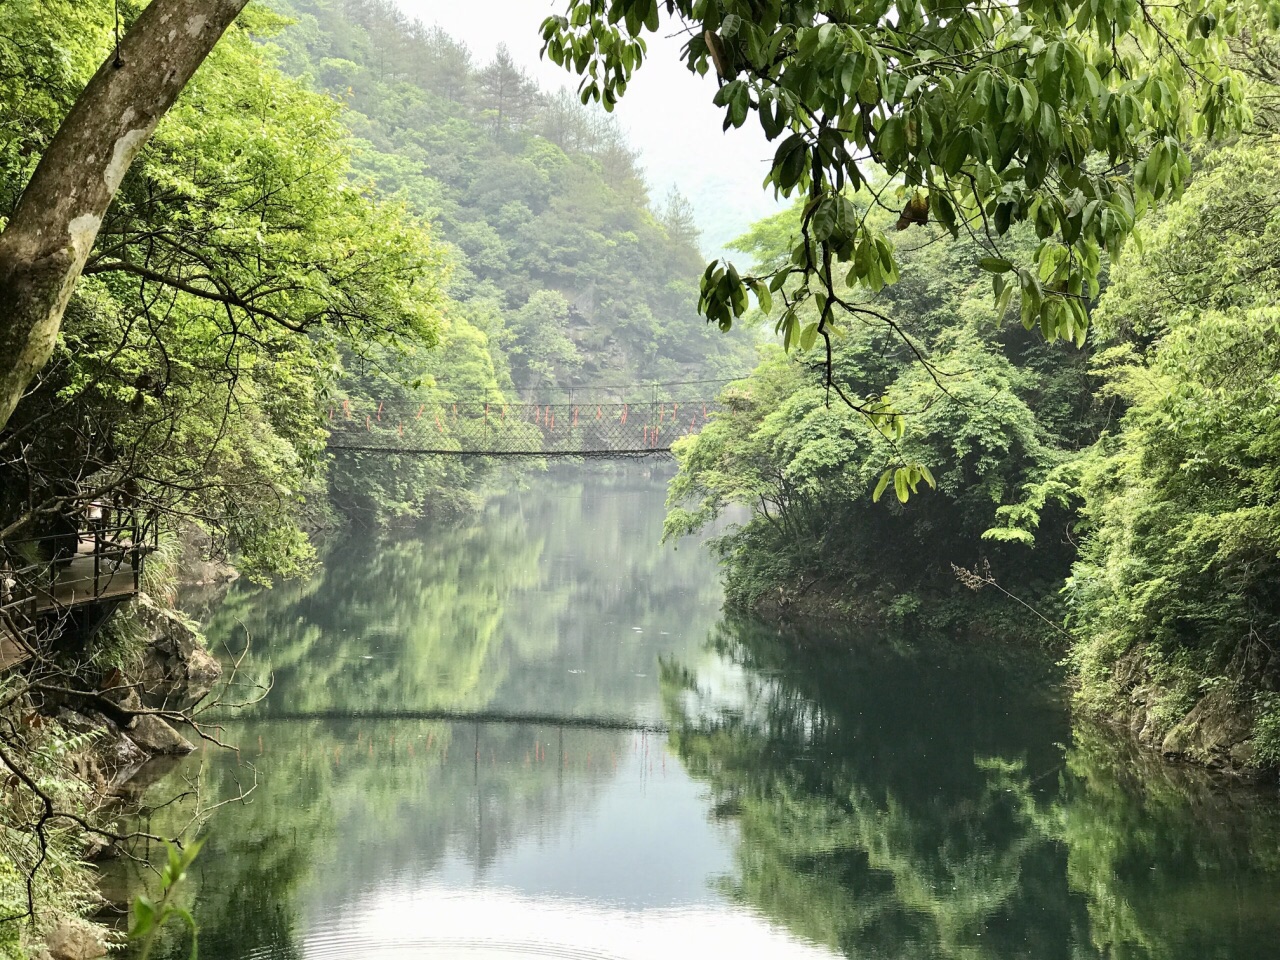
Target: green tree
{"x": 240, "y": 258}
{"x": 52, "y": 228}
{"x": 539, "y": 348}
{"x": 994, "y": 407}
{"x": 1173, "y": 592}
{"x": 1071, "y": 116}
{"x": 507, "y": 94}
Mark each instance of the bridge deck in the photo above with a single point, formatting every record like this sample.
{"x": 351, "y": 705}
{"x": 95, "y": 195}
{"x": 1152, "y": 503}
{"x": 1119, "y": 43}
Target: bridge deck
{"x": 101, "y": 564}
{"x": 12, "y": 652}
{"x": 493, "y": 429}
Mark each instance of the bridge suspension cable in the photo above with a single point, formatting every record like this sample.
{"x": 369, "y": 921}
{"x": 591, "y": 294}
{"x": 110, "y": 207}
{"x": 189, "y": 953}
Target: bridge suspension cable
{"x": 497, "y": 429}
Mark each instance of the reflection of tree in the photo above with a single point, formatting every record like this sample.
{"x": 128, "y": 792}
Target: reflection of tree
{"x": 898, "y": 805}
{"x": 344, "y": 807}
{"x": 869, "y": 821}
{"x": 408, "y": 623}
{"x": 490, "y": 614}
{"x": 498, "y": 609}
{"x": 1171, "y": 862}
{"x": 603, "y": 573}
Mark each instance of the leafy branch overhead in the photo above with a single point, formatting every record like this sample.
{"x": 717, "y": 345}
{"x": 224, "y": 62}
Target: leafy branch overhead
{"x": 1070, "y": 115}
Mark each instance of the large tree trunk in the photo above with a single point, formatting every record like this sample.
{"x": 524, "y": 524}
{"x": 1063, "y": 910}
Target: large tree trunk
{"x": 44, "y": 247}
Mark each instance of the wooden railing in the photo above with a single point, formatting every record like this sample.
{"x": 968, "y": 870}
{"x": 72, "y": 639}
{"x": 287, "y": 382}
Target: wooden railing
{"x": 95, "y": 560}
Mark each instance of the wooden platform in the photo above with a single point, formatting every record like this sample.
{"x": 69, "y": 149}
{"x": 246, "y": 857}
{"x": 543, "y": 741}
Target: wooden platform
{"x": 12, "y": 653}
{"x": 75, "y": 583}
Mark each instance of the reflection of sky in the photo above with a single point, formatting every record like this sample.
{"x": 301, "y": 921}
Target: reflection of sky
{"x": 613, "y": 852}
{"x": 879, "y": 799}
{"x": 435, "y": 922}
{"x": 632, "y": 601}
{"x": 619, "y": 848}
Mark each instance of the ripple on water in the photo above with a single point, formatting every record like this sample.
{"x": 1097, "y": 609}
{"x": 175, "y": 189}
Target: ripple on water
{"x": 355, "y": 946}
{"x": 435, "y": 923}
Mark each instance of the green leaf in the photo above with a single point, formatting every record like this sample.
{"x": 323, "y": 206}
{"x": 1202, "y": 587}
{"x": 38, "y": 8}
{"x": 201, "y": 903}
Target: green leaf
{"x": 1003, "y": 299}
{"x": 824, "y": 219}
{"x": 651, "y": 17}
{"x": 900, "y": 487}
{"x": 995, "y": 264}
{"x": 891, "y": 142}
{"x": 190, "y": 921}
{"x": 763, "y": 297}
{"x": 144, "y": 917}
{"x": 789, "y": 162}
{"x": 771, "y": 119}
{"x": 882, "y": 485}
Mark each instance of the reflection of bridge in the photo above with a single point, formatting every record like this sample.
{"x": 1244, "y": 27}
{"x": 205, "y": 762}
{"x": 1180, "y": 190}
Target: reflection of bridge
{"x": 582, "y": 428}
{"x": 487, "y": 717}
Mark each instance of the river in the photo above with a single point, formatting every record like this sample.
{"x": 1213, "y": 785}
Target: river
{"x": 536, "y": 734}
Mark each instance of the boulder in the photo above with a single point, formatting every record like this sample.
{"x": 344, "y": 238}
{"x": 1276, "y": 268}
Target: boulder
{"x": 177, "y": 671}
{"x": 76, "y": 939}
{"x": 152, "y": 772}
{"x": 154, "y": 735}
{"x": 1215, "y": 732}
{"x": 119, "y": 758}
{"x": 203, "y": 575}
{"x": 111, "y": 758}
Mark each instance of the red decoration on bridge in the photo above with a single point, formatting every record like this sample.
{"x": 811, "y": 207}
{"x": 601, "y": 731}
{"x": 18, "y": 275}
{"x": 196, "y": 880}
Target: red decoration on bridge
{"x": 465, "y": 428}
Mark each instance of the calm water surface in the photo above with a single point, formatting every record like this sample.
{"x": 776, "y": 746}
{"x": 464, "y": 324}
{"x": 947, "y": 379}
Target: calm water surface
{"x": 537, "y": 735}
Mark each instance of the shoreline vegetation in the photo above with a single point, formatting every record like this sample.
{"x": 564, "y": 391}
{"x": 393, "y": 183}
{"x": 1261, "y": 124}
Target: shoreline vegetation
{"x": 343, "y": 203}
{"x": 1216, "y": 735}
{"x": 1121, "y": 495}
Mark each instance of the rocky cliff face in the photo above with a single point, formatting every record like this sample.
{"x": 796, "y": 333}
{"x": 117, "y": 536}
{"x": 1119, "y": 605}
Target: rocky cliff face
{"x": 1216, "y": 730}
{"x": 176, "y": 671}
{"x": 174, "y": 674}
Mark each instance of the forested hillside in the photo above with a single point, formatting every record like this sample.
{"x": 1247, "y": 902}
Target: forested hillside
{"x": 1117, "y": 497}
{"x": 241, "y": 270}
{"x": 562, "y": 259}
{"x": 341, "y": 205}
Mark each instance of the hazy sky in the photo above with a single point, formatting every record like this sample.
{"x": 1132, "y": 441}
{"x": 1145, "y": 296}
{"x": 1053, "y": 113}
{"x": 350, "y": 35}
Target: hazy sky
{"x": 667, "y": 112}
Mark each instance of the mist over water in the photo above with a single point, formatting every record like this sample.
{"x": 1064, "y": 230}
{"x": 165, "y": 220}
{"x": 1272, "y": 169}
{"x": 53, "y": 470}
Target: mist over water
{"x": 537, "y": 734}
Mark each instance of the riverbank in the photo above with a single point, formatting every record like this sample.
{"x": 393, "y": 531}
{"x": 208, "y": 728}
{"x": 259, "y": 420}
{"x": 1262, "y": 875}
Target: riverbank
{"x": 1216, "y": 729}
{"x": 969, "y": 612}
{"x": 95, "y": 721}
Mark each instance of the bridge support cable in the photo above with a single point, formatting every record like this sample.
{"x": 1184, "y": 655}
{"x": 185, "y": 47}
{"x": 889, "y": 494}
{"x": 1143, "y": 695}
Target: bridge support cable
{"x": 493, "y": 429}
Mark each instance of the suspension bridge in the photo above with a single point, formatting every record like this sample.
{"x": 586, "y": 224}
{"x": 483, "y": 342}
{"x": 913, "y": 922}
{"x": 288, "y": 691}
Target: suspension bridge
{"x": 583, "y": 427}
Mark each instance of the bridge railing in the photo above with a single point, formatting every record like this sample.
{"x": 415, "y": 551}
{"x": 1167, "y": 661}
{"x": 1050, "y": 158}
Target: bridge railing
{"x": 516, "y": 429}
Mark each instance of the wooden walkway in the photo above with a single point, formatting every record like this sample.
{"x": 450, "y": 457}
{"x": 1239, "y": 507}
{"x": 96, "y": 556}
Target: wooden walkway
{"x": 75, "y": 582}
{"x": 12, "y": 652}
{"x": 36, "y": 581}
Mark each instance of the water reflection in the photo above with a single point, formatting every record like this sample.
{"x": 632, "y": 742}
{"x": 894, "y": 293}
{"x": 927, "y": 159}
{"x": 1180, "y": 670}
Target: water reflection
{"x": 917, "y": 803}
{"x": 755, "y": 792}
{"x": 556, "y": 600}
